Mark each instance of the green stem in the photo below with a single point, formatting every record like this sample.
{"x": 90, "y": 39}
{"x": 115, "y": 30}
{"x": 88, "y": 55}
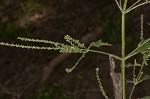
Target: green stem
{"x": 132, "y": 91}
{"x": 138, "y": 76}
{"x": 128, "y": 10}
{"x": 133, "y": 5}
{"x": 135, "y": 83}
{"x": 123, "y": 57}
{"x": 112, "y": 55}
{"x": 125, "y": 5}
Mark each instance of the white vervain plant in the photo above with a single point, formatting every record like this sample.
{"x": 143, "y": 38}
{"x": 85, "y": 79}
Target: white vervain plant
{"x": 118, "y": 79}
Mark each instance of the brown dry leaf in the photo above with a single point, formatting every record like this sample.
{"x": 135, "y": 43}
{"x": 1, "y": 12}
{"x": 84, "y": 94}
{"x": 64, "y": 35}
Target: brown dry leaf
{"x": 116, "y": 78}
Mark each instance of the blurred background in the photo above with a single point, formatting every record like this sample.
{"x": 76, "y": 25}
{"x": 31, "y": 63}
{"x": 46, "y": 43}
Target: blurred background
{"x": 40, "y": 74}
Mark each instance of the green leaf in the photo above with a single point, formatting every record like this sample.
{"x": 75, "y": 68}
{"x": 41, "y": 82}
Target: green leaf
{"x": 99, "y": 43}
{"x": 146, "y": 77}
{"x": 146, "y": 97}
{"x": 143, "y": 46}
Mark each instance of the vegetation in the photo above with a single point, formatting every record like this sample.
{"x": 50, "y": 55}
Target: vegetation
{"x": 119, "y": 80}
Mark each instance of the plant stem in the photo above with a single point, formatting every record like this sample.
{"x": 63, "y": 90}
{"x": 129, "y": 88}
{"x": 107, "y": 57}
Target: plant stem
{"x": 132, "y": 91}
{"x": 112, "y": 55}
{"x": 141, "y": 4}
{"x": 125, "y": 4}
{"x": 135, "y": 83}
{"x": 123, "y": 56}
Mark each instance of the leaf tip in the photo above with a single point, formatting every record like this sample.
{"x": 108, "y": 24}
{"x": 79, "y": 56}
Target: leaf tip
{"x": 68, "y": 70}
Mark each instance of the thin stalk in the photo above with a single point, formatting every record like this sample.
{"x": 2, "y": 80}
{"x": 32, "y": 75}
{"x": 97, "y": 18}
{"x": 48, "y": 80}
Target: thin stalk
{"x": 135, "y": 83}
{"x": 140, "y": 70}
{"x": 123, "y": 57}
{"x": 132, "y": 91}
{"x": 125, "y": 5}
{"x": 120, "y": 3}
{"x": 119, "y": 6}
{"x": 112, "y": 55}
{"x": 133, "y": 5}
{"x": 127, "y": 11}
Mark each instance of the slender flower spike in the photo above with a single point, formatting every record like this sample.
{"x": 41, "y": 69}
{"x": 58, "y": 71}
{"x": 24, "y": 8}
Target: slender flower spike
{"x": 118, "y": 79}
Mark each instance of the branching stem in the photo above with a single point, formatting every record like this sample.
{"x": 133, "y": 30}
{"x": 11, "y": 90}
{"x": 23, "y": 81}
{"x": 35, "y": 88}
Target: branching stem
{"x": 136, "y": 82}
{"x": 128, "y": 10}
{"x": 119, "y": 6}
{"x": 132, "y": 91}
{"x": 133, "y": 5}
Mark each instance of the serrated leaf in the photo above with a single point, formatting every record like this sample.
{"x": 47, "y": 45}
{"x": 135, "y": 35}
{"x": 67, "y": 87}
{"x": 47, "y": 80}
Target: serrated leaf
{"x": 146, "y": 97}
{"x": 146, "y": 77}
{"x": 143, "y": 46}
{"x": 99, "y": 43}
